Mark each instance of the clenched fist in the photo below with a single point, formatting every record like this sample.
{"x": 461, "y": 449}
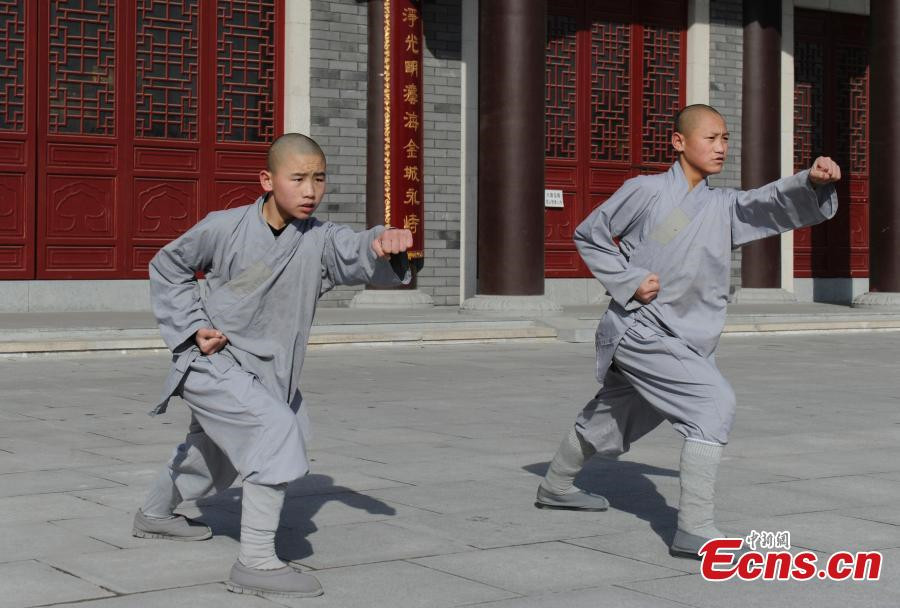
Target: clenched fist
{"x": 210, "y": 340}
{"x": 824, "y": 171}
{"x": 648, "y": 289}
{"x": 392, "y": 240}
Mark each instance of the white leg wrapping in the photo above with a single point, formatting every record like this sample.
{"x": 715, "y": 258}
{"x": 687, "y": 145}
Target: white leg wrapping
{"x": 163, "y": 497}
{"x": 699, "y": 469}
{"x": 567, "y": 462}
{"x": 260, "y": 514}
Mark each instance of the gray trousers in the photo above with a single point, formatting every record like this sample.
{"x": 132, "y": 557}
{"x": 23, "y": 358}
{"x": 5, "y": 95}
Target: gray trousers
{"x": 237, "y": 428}
{"x": 656, "y": 377}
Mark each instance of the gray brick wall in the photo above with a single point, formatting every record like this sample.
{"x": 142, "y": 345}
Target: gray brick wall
{"x": 338, "y": 68}
{"x": 338, "y": 64}
{"x": 726, "y": 40}
{"x": 443, "y": 125}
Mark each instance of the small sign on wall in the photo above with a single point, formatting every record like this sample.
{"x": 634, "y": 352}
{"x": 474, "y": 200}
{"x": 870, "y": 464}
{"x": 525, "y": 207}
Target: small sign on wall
{"x": 553, "y": 199}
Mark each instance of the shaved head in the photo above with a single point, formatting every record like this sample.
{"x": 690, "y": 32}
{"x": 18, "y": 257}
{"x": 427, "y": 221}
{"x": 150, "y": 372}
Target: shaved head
{"x": 686, "y": 120}
{"x": 291, "y": 144}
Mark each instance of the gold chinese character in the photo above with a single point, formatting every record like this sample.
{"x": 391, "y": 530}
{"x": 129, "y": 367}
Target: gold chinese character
{"x": 411, "y": 94}
{"x": 412, "y": 149}
{"x": 411, "y": 173}
{"x": 411, "y": 67}
{"x": 412, "y": 43}
{"x": 412, "y": 197}
{"x": 411, "y": 222}
{"x": 411, "y": 121}
{"x": 410, "y": 16}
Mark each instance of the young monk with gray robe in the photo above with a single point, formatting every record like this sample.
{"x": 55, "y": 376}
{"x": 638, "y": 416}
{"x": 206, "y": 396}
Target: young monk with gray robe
{"x": 661, "y": 245}
{"x": 238, "y": 353}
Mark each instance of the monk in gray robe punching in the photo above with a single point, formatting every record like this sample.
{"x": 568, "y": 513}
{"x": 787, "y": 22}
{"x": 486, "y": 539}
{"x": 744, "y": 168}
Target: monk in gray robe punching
{"x": 661, "y": 246}
{"x": 238, "y": 352}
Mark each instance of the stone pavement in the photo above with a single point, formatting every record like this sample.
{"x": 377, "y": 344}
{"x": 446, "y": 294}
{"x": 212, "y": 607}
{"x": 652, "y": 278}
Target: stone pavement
{"x": 425, "y": 463}
{"x": 35, "y": 332}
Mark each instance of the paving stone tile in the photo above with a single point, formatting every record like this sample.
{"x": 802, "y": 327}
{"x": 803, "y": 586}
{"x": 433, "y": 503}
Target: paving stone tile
{"x": 397, "y": 585}
{"x": 354, "y": 544}
{"x": 159, "y": 565}
{"x": 22, "y": 542}
{"x": 544, "y": 567}
{"x": 31, "y": 583}
{"x": 46, "y": 482}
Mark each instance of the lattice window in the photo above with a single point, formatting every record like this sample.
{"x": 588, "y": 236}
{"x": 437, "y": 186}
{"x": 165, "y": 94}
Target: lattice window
{"x": 560, "y": 88}
{"x": 661, "y": 87}
{"x": 610, "y": 91}
{"x": 82, "y": 67}
{"x": 245, "y": 71}
{"x": 166, "y": 65}
{"x": 12, "y": 65}
{"x": 808, "y": 102}
{"x": 852, "y": 109}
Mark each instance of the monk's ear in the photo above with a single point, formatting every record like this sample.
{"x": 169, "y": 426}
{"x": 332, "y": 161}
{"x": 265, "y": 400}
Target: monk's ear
{"x": 678, "y": 141}
{"x": 265, "y": 180}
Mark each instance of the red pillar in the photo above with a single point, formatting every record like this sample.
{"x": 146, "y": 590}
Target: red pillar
{"x": 511, "y": 147}
{"x": 884, "y": 151}
{"x": 761, "y": 130}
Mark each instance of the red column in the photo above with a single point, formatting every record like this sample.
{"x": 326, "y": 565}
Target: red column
{"x": 884, "y": 151}
{"x": 511, "y": 147}
{"x": 761, "y": 130}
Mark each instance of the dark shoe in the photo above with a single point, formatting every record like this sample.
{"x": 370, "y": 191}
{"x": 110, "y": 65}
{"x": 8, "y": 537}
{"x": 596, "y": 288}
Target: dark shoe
{"x": 283, "y": 582}
{"x": 574, "y": 501}
{"x": 177, "y": 527}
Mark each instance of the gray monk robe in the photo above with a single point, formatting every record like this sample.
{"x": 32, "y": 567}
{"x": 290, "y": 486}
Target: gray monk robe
{"x": 262, "y": 294}
{"x": 656, "y": 361}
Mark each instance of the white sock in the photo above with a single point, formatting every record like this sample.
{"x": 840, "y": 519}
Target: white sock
{"x": 162, "y": 498}
{"x": 260, "y": 514}
{"x": 699, "y": 469}
{"x": 567, "y": 462}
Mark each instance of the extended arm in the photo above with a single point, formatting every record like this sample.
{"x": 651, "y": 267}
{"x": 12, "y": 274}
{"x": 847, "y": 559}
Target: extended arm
{"x": 354, "y": 258}
{"x": 804, "y": 199}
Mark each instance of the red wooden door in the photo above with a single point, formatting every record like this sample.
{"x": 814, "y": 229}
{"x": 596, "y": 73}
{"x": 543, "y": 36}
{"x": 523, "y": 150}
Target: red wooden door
{"x": 150, "y": 114}
{"x": 17, "y": 138}
{"x": 831, "y": 107}
{"x": 614, "y": 81}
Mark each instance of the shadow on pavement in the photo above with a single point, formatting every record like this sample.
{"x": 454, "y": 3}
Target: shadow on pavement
{"x": 305, "y": 497}
{"x": 628, "y": 488}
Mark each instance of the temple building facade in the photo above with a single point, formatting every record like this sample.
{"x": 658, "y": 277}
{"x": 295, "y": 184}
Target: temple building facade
{"x": 490, "y": 128}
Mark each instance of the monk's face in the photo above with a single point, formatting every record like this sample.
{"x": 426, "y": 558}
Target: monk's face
{"x": 705, "y": 144}
{"x": 297, "y": 184}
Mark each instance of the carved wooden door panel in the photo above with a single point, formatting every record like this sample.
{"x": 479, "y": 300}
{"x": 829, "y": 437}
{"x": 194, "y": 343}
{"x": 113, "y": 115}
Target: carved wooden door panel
{"x": 831, "y": 107}
{"x": 614, "y": 79}
{"x": 17, "y": 138}
{"x": 151, "y": 113}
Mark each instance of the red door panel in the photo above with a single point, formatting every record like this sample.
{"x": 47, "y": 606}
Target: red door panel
{"x": 831, "y": 98}
{"x": 17, "y": 138}
{"x": 123, "y": 123}
{"x": 614, "y": 80}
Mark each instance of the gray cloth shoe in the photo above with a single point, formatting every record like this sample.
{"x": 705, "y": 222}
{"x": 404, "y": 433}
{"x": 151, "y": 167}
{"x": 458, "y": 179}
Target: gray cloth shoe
{"x": 283, "y": 582}
{"x": 177, "y": 527}
{"x": 688, "y": 545}
{"x": 574, "y": 501}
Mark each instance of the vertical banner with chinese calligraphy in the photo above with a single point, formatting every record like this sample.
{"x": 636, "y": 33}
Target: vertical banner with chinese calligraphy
{"x": 404, "y": 158}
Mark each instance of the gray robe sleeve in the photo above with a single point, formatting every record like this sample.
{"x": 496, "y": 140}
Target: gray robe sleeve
{"x": 174, "y": 290}
{"x": 786, "y": 204}
{"x": 348, "y": 259}
{"x": 617, "y": 217}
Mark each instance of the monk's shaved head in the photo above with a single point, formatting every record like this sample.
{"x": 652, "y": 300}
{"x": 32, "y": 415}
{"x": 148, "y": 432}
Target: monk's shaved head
{"x": 686, "y": 120}
{"x": 291, "y": 144}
